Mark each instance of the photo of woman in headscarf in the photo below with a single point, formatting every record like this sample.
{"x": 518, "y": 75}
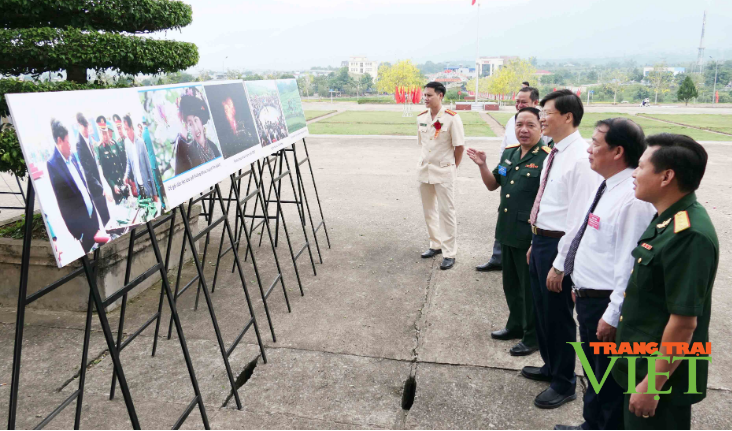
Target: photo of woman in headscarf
{"x": 197, "y": 149}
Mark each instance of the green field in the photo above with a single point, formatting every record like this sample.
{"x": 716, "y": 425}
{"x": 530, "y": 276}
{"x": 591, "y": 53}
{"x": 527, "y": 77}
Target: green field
{"x": 291, "y": 106}
{"x": 388, "y": 123}
{"x": 652, "y": 127}
{"x": 309, "y": 115}
{"x": 719, "y": 123}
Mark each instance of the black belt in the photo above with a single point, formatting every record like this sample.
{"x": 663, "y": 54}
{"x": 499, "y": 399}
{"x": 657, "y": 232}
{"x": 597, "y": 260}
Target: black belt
{"x": 581, "y": 292}
{"x": 550, "y": 233}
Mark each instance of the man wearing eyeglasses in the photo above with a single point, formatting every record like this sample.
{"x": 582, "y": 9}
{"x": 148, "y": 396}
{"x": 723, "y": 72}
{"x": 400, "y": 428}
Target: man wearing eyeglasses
{"x": 566, "y": 183}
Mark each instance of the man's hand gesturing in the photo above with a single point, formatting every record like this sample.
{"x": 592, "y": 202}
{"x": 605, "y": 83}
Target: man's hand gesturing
{"x": 477, "y": 156}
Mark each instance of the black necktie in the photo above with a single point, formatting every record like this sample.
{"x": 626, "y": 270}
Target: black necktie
{"x": 572, "y": 253}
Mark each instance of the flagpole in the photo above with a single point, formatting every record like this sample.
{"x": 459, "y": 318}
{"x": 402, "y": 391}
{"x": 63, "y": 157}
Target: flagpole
{"x": 477, "y": 64}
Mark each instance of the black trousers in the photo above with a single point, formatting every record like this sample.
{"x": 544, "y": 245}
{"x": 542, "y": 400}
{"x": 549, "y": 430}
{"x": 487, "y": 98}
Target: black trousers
{"x": 603, "y": 410}
{"x": 555, "y": 325}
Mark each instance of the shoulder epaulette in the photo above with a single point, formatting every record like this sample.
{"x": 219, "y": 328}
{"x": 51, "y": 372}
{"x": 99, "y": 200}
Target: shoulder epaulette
{"x": 547, "y": 149}
{"x": 451, "y": 112}
{"x": 681, "y": 221}
{"x": 422, "y": 113}
{"x": 513, "y": 146}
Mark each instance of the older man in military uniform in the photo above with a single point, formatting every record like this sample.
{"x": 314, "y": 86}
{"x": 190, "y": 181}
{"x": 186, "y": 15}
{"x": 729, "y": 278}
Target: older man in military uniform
{"x": 518, "y": 177}
{"x": 441, "y": 137}
{"x": 669, "y": 294}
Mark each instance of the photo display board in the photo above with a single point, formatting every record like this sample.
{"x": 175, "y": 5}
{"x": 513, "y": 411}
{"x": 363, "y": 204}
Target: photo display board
{"x": 105, "y": 161}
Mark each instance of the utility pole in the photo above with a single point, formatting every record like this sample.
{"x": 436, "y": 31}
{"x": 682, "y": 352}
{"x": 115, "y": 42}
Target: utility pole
{"x": 477, "y": 58}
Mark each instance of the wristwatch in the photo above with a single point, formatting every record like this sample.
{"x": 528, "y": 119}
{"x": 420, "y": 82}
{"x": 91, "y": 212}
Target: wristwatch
{"x": 558, "y": 272}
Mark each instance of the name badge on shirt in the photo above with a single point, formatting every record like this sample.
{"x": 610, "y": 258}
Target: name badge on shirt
{"x": 502, "y": 170}
{"x": 593, "y": 221}
{"x": 508, "y": 162}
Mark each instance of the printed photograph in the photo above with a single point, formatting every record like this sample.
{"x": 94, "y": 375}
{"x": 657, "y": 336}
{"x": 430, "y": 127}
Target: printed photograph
{"x": 265, "y": 103}
{"x": 232, "y": 117}
{"x": 90, "y": 166}
{"x": 179, "y": 125}
{"x": 291, "y": 105}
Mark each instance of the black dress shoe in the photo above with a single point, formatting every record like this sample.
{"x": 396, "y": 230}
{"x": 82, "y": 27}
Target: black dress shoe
{"x": 568, "y": 427}
{"x": 431, "y": 253}
{"x": 505, "y": 334}
{"x": 551, "y": 399}
{"x": 447, "y": 263}
{"x": 490, "y": 266}
{"x": 522, "y": 349}
{"x": 534, "y": 373}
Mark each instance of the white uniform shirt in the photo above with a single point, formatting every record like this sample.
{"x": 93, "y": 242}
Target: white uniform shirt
{"x": 571, "y": 181}
{"x": 437, "y": 157}
{"x": 603, "y": 260}
{"x": 509, "y": 137}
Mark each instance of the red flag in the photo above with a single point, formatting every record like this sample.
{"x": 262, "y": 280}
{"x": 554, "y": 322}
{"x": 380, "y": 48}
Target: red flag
{"x": 555, "y": 88}
{"x": 716, "y": 97}
{"x": 473, "y": 4}
{"x": 579, "y": 92}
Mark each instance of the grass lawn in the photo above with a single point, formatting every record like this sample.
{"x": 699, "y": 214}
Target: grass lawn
{"x": 650, "y": 127}
{"x": 720, "y": 123}
{"x": 388, "y": 123}
{"x": 309, "y": 115}
{"x": 502, "y": 117}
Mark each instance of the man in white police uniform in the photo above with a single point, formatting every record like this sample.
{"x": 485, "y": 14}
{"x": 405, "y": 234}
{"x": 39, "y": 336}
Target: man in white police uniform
{"x": 441, "y": 137}
{"x": 527, "y": 97}
{"x": 599, "y": 259}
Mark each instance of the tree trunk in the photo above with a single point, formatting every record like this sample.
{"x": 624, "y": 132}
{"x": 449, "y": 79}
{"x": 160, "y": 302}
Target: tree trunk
{"x": 76, "y": 74}
{"x": 656, "y": 102}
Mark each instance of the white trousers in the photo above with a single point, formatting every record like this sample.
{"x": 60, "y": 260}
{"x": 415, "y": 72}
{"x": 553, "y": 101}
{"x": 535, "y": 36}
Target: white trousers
{"x": 438, "y": 203}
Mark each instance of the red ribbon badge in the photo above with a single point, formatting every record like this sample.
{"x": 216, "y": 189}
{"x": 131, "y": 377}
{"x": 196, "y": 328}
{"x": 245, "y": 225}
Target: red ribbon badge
{"x": 438, "y": 126}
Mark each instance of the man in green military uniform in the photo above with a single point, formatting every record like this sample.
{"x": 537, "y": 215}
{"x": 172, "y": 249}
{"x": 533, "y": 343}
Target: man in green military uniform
{"x": 669, "y": 294}
{"x": 518, "y": 176}
{"x": 113, "y": 160}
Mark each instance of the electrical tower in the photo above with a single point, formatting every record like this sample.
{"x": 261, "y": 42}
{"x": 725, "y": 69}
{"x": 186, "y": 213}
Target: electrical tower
{"x": 700, "y": 58}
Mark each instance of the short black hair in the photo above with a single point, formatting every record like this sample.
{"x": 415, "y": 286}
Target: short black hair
{"x": 437, "y": 86}
{"x": 623, "y": 132}
{"x": 526, "y": 83}
{"x": 192, "y": 105}
{"x": 81, "y": 120}
{"x": 58, "y": 130}
{"x": 128, "y": 120}
{"x": 534, "y": 93}
{"x": 683, "y": 155}
{"x": 565, "y": 101}
{"x": 116, "y": 118}
{"x": 529, "y": 109}
{"x": 101, "y": 119}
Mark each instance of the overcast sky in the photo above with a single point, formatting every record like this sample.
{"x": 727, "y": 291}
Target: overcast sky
{"x": 299, "y": 34}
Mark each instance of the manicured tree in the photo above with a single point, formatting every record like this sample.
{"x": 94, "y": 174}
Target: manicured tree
{"x": 74, "y": 36}
{"x": 687, "y": 90}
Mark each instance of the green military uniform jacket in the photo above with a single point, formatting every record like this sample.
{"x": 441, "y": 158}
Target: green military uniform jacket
{"x": 675, "y": 264}
{"x": 113, "y": 160}
{"x": 519, "y": 179}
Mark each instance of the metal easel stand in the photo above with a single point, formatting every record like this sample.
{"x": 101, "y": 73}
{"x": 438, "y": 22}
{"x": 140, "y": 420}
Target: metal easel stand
{"x": 303, "y": 195}
{"x": 162, "y": 268}
{"x": 235, "y": 196}
{"x": 19, "y": 192}
{"x": 275, "y": 186}
{"x": 215, "y": 193}
{"x": 89, "y": 269}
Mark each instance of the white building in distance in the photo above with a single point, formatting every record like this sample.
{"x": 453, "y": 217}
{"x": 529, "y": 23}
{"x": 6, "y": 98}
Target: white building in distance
{"x": 487, "y": 66}
{"x": 361, "y": 65}
{"x": 674, "y": 70}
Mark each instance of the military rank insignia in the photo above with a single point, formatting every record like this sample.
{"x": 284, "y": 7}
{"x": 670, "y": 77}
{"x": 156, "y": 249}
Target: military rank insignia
{"x": 681, "y": 221}
{"x": 664, "y": 224}
{"x": 502, "y": 171}
{"x": 546, "y": 149}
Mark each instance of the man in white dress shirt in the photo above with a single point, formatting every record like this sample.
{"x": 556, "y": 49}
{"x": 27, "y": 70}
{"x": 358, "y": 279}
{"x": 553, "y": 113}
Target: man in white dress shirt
{"x": 527, "y": 97}
{"x": 599, "y": 259}
{"x": 566, "y": 183}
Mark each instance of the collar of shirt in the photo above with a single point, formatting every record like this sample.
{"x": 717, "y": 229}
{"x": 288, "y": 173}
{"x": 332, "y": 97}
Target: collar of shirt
{"x": 438, "y": 116}
{"x": 566, "y": 142}
{"x": 680, "y": 205}
{"x": 618, "y": 178}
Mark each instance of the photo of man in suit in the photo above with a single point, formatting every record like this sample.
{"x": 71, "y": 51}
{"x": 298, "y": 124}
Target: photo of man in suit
{"x": 75, "y": 201}
{"x": 85, "y": 153}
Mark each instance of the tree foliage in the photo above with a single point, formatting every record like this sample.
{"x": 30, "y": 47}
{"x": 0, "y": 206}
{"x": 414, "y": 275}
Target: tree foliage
{"x": 402, "y": 74}
{"x": 76, "y": 35}
{"x": 660, "y": 79}
{"x": 615, "y": 80}
{"x": 687, "y": 90}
